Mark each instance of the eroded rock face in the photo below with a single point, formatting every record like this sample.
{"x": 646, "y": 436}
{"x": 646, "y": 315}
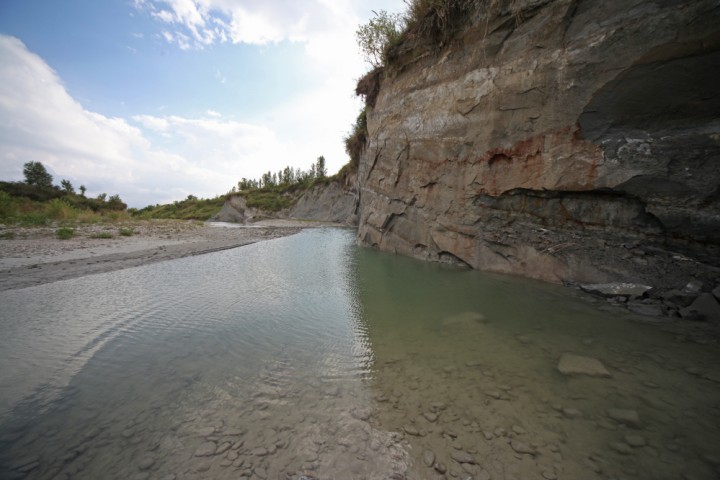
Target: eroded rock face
{"x": 332, "y": 202}
{"x": 553, "y": 143}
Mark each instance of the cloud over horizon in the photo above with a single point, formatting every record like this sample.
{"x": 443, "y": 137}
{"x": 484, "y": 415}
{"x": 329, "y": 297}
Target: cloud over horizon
{"x": 163, "y": 154}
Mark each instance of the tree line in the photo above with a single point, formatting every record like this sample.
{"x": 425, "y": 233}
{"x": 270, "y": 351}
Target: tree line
{"x": 286, "y": 177}
{"x": 36, "y": 175}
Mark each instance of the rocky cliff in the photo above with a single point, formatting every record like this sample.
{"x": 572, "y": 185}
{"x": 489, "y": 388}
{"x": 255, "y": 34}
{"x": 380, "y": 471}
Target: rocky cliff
{"x": 333, "y": 201}
{"x": 565, "y": 140}
{"x": 336, "y": 201}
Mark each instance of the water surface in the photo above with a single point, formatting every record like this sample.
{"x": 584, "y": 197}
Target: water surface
{"x": 308, "y": 356}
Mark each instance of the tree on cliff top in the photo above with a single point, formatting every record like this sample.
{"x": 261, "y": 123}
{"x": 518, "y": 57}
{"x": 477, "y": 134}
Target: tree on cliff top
{"x": 378, "y": 35}
{"x": 36, "y": 174}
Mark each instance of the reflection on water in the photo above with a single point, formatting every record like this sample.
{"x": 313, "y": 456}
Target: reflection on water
{"x": 307, "y": 356}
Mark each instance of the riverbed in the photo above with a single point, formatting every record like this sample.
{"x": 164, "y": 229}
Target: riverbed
{"x": 308, "y": 356}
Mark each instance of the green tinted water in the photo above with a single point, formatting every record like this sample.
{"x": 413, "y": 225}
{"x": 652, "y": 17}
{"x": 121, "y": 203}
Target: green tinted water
{"x": 308, "y": 356}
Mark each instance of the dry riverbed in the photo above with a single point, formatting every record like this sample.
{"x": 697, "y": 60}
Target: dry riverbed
{"x": 34, "y": 256}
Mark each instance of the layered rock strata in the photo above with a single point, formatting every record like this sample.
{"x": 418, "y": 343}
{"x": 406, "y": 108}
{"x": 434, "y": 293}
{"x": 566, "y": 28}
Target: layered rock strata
{"x": 565, "y": 140}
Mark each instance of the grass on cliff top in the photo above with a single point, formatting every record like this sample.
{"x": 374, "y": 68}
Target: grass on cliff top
{"x": 192, "y": 208}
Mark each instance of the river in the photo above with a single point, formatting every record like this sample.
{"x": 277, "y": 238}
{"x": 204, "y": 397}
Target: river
{"x": 310, "y": 357}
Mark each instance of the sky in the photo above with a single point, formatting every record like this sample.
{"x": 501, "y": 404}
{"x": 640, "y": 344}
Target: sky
{"x": 155, "y": 100}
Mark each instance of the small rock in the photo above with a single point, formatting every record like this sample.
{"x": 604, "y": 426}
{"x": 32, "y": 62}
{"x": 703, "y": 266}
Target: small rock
{"x": 224, "y": 447}
{"x": 361, "y": 414}
{"x": 259, "y": 452}
{"x": 410, "y": 430}
{"x": 462, "y": 457}
{"x": 625, "y": 416}
{"x": 614, "y": 289}
{"x": 621, "y": 447}
{"x": 646, "y": 310}
{"x": 465, "y": 318}
{"x": 635, "y": 440}
{"x": 260, "y": 472}
{"x": 704, "y": 308}
{"x": 428, "y": 458}
{"x": 206, "y": 449}
{"x": 146, "y": 463}
{"x": 716, "y": 293}
{"x": 440, "y": 467}
{"x": 487, "y": 435}
{"x": 521, "y": 447}
{"x": 571, "y": 412}
{"x": 549, "y": 475}
{"x": 437, "y": 406}
{"x": 694, "y": 286}
{"x": 430, "y": 417}
{"x": 496, "y": 394}
{"x": 518, "y": 430}
{"x": 571, "y": 364}
{"x": 483, "y": 475}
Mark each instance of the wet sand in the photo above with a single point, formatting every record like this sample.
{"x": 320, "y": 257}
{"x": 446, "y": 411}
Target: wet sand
{"x": 34, "y": 256}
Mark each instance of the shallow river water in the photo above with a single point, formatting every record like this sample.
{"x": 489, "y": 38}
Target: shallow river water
{"x": 309, "y": 357}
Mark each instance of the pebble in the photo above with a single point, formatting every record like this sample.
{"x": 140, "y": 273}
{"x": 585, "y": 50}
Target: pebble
{"x": 571, "y": 364}
{"x": 625, "y": 416}
{"x": 635, "y": 440}
{"x": 428, "y": 458}
{"x": 518, "y": 430}
{"x": 487, "y": 435}
{"x": 462, "y": 457}
{"x": 259, "y": 452}
{"x": 440, "y": 467}
{"x": 430, "y": 417}
{"x": 206, "y": 449}
{"x": 496, "y": 394}
{"x": 206, "y": 431}
{"x": 621, "y": 447}
{"x": 146, "y": 463}
{"x": 548, "y": 475}
{"x": 571, "y": 412}
{"x": 521, "y": 447}
{"x": 361, "y": 414}
{"x": 437, "y": 406}
{"x": 410, "y": 430}
{"x": 224, "y": 447}
{"x": 260, "y": 472}
{"x": 483, "y": 475}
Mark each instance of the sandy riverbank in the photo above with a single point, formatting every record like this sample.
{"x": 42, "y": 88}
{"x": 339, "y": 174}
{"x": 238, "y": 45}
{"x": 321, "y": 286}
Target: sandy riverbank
{"x": 34, "y": 256}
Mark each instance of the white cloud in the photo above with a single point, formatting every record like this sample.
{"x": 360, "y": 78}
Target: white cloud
{"x": 162, "y": 157}
{"x": 40, "y": 121}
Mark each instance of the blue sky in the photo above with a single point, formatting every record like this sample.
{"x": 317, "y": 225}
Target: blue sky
{"x": 158, "y": 99}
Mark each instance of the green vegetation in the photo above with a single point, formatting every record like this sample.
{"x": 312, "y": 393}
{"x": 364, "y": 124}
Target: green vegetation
{"x": 7, "y": 235}
{"x": 378, "y": 35}
{"x": 37, "y": 202}
{"x": 355, "y": 141}
{"x": 192, "y": 208}
{"x": 65, "y": 233}
{"x": 102, "y": 235}
{"x": 126, "y": 232}
{"x": 274, "y": 192}
{"x": 36, "y": 174}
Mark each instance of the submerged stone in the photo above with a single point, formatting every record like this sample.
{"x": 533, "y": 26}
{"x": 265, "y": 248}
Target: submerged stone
{"x": 571, "y": 364}
{"x": 617, "y": 289}
{"x": 625, "y": 416}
